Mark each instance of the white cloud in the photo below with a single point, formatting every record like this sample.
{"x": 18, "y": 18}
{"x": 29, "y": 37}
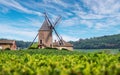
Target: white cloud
{"x": 35, "y": 22}
{"x": 70, "y": 22}
{"x": 101, "y": 14}
{"x": 59, "y": 2}
{"x": 103, "y": 6}
{"x": 15, "y": 5}
{"x": 66, "y": 38}
{"x": 10, "y": 31}
{"x": 88, "y": 23}
{"x": 107, "y": 24}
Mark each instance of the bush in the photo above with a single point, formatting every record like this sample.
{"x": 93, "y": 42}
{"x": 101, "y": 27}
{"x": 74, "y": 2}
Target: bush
{"x": 65, "y": 49}
{"x": 51, "y": 48}
{"x": 55, "y": 48}
{"x": 119, "y": 50}
{"x": 107, "y": 51}
{"x": 33, "y": 48}
{"x": 7, "y": 49}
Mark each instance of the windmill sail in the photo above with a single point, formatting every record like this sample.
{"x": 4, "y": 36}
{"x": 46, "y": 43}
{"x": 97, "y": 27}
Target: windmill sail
{"x": 52, "y": 26}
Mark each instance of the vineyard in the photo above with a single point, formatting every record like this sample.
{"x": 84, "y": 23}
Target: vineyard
{"x": 55, "y": 62}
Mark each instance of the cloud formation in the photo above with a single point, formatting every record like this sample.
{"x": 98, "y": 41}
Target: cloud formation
{"x": 12, "y": 4}
{"x": 84, "y": 16}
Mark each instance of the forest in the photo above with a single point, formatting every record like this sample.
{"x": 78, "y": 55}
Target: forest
{"x": 103, "y": 42}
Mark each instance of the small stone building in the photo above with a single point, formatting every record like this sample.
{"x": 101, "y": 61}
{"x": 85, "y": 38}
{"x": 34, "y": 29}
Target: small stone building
{"x": 65, "y": 45}
{"x": 8, "y": 44}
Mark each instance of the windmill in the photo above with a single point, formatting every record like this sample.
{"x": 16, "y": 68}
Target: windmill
{"x": 45, "y": 38}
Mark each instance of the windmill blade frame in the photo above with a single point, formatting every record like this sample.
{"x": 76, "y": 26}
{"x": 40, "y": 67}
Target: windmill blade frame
{"x": 33, "y": 40}
{"x": 53, "y": 28}
{"x": 56, "y": 22}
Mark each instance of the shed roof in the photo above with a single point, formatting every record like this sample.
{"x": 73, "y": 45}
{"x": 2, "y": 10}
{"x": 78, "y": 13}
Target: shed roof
{"x": 65, "y": 44}
{"x": 4, "y": 41}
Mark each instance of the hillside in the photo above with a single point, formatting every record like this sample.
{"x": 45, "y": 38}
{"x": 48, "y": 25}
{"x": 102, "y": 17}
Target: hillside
{"x": 22, "y": 44}
{"x": 104, "y": 42}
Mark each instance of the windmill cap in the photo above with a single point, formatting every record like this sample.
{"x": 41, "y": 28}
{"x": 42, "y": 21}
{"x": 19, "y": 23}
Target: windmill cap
{"x": 45, "y": 26}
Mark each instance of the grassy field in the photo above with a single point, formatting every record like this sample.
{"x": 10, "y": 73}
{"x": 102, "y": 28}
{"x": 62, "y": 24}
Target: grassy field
{"x": 112, "y": 51}
{"x": 55, "y": 62}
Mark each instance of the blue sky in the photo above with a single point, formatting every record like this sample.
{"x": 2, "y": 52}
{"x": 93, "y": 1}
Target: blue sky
{"x": 21, "y": 19}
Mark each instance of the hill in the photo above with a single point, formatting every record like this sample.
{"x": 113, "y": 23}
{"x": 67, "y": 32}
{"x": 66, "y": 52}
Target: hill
{"x": 22, "y": 44}
{"x": 104, "y": 42}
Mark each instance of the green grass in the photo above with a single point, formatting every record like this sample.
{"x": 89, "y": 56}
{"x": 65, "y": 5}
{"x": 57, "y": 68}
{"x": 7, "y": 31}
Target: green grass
{"x": 56, "y": 62}
{"x": 113, "y": 51}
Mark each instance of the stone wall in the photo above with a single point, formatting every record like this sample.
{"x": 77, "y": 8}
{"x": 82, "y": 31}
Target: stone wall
{"x": 68, "y": 48}
{"x": 4, "y": 46}
{"x": 46, "y": 37}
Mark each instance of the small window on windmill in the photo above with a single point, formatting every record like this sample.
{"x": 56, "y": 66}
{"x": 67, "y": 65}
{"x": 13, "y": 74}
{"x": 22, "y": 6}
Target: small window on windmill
{"x": 40, "y": 41}
{"x": 60, "y": 43}
{"x": 50, "y": 45}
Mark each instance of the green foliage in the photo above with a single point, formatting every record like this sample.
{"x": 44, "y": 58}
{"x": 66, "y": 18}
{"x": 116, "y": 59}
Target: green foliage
{"x": 7, "y": 49}
{"x": 22, "y": 44}
{"x": 58, "y": 62}
{"x": 64, "y": 49}
{"x": 51, "y": 48}
{"x": 104, "y": 42}
{"x": 119, "y": 50}
{"x": 107, "y": 51}
{"x": 34, "y": 46}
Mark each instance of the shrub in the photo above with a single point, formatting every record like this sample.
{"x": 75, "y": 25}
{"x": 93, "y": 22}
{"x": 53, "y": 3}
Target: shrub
{"x": 33, "y": 48}
{"x": 55, "y": 48}
{"x": 7, "y": 49}
{"x": 51, "y": 48}
{"x": 65, "y": 49}
{"x": 119, "y": 50}
{"x": 107, "y": 51}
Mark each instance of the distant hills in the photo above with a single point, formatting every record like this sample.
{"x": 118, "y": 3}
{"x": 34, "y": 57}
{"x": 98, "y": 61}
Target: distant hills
{"x": 22, "y": 44}
{"x": 104, "y": 42}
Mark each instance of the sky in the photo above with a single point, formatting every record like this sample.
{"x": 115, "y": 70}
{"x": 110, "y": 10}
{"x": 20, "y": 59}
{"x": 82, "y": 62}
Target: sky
{"x": 21, "y": 19}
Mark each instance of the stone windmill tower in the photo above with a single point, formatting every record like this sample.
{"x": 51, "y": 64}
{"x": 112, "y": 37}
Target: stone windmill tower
{"x": 45, "y": 35}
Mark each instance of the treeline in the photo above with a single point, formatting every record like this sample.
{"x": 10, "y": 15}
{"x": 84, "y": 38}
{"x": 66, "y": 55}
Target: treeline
{"x": 22, "y": 44}
{"x": 104, "y": 42}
